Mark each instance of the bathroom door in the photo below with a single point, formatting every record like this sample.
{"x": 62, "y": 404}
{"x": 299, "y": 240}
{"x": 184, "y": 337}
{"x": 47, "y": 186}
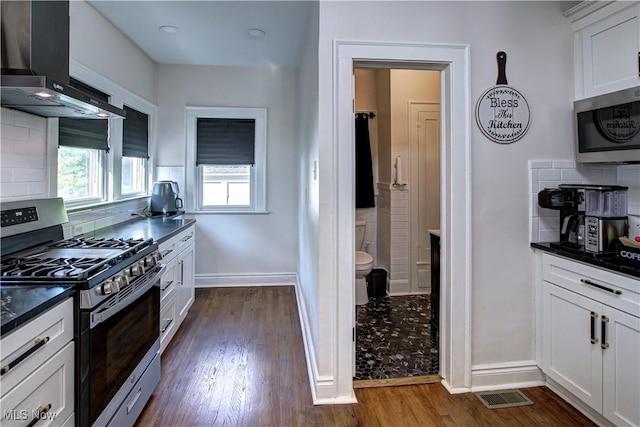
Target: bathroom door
{"x": 424, "y": 190}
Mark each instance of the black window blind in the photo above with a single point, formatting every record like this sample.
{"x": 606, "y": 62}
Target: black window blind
{"x": 225, "y": 141}
{"x": 135, "y": 134}
{"x": 85, "y": 133}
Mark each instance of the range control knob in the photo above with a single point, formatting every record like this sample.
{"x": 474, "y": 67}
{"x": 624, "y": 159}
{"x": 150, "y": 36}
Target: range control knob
{"x": 136, "y": 269}
{"x": 122, "y": 281}
{"x": 150, "y": 260}
{"x": 109, "y": 287}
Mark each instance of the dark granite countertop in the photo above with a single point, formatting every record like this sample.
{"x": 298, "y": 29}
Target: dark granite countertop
{"x": 158, "y": 228}
{"x": 607, "y": 262}
{"x": 21, "y": 303}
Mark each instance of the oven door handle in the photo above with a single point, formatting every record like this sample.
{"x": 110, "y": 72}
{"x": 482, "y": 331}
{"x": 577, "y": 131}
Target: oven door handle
{"x": 117, "y": 305}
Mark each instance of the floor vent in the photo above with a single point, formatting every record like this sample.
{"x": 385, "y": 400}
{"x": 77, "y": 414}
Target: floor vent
{"x": 503, "y": 399}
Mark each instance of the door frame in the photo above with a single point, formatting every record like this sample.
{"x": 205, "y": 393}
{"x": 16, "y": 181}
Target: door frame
{"x": 455, "y": 161}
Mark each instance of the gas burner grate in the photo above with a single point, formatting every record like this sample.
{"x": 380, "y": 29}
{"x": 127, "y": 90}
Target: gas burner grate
{"x": 97, "y": 243}
{"x": 51, "y": 267}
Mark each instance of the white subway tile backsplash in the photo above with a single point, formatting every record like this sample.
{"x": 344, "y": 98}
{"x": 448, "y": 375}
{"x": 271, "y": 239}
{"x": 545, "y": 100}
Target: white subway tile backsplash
{"x": 29, "y": 175}
{"x": 549, "y": 175}
{"x": 26, "y": 120}
{"x": 11, "y": 131}
{"x": 540, "y": 164}
{"x": 564, "y": 164}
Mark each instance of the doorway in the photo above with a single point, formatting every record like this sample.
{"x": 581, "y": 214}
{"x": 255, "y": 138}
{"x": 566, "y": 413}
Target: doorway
{"x": 394, "y": 338}
{"x": 455, "y": 331}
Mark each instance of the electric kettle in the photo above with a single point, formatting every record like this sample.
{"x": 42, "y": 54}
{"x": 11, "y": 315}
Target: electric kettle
{"x": 164, "y": 198}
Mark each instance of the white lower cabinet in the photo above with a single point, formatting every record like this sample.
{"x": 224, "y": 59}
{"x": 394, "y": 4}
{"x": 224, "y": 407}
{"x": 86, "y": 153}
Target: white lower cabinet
{"x": 621, "y": 369}
{"x": 590, "y": 348}
{"x": 37, "y": 382}
{"x": 45, "y": 396}
{"x": 570, "y": 356}
{"x": 177, "y": 283}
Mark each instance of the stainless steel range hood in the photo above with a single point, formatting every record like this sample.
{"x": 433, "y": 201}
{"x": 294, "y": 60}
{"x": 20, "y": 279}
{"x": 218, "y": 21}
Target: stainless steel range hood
{"x": 35, "y": 63}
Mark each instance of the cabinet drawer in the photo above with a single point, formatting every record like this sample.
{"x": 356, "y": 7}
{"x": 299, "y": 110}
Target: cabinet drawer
{"x": 42, "y": 337}
{"x": 168, "y": 320}
{"x": 168, "y": 282}
{"x": 50, "y": 386}
{"x": 168, "y": 249}
{"x": 615, "y": 290}
{"x": 186, "y": 238}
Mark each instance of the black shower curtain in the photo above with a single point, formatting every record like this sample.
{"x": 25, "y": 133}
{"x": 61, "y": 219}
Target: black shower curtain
{"x": 364, "y": 167}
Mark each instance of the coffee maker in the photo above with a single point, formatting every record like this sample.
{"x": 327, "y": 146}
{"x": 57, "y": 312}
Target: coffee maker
{"x": 592, "y": 217}
{"x": 570, "y": 201}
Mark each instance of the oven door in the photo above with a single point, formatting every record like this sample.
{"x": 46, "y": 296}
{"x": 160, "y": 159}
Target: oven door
{"x": 113, "y": 348}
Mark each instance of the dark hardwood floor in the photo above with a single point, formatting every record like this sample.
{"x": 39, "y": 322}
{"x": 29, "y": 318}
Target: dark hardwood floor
{"x": 238, "y": 360}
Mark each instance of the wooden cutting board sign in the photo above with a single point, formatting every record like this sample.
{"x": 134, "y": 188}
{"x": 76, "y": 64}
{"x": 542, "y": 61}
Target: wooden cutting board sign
{"x": 502, "y": 113}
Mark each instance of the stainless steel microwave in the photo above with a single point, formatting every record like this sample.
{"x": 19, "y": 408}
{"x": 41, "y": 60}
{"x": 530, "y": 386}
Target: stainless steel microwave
{"x": 607, "y": 127}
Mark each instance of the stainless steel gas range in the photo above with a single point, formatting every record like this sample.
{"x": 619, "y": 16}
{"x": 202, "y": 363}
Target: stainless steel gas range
{"x": 117, "y": 322}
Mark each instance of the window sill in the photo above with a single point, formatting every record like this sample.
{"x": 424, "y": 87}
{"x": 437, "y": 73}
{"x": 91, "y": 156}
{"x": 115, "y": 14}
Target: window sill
{"x": 229, "y": 212}
{"x": 89, "y": 206}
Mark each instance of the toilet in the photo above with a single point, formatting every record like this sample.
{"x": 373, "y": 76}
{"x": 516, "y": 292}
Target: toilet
{"x": 364, "y": 264}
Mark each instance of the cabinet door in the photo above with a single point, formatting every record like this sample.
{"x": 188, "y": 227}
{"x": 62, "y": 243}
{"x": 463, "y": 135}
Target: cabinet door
{"x": 621, "y": 368}
{"x": 45, "y": 397}
{"x": 186, "y": 293}
{"x": 610, "y": 53}
{"x": 571, "y": 353}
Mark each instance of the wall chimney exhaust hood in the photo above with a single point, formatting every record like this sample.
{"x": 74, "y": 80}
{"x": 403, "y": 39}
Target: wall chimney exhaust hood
{"x": 35, "y": 63}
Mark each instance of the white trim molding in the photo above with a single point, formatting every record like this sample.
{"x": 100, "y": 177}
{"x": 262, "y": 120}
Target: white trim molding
{"x": 453, "y": 62}
{"x": 240, "y": 280}
{"x": 503, "y": 376}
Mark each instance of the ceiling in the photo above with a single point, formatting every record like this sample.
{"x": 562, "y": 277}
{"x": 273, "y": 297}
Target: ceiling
{"x": 213, "y": 32}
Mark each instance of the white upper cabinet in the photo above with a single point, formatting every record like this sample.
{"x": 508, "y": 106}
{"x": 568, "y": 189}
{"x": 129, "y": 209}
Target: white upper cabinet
{"x": 606, "y": 46}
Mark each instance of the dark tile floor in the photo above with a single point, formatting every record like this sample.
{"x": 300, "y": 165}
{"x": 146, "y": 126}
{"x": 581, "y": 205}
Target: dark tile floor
{"x": 393, "y": 338}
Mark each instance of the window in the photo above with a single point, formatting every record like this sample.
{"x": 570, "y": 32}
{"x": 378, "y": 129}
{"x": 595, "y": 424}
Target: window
{"x": 135, "y": 152}
{"x": 227, "y": 159}
{"x": 82, "y": 145}
{"x": 80, "y": 174}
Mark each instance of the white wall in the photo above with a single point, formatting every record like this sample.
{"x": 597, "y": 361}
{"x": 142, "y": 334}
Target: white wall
{"x": 232, "y": 245}
{"x": 538, "y": 43}
{"x": 98, "y": 45}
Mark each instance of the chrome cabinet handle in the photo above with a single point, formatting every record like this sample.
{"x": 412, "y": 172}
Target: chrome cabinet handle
{"x": 169, "y": 283}
{"x": 38, "y": 344}
{"x": 604, "y": 344}
{"x": 166, "y": 326}
{"x": 599, "y": 286}
{"x": 184, "y": 239}
{"x": 167, "y": 252}
{"x": 594, "y": 338}
{"x": 39, "y": 414}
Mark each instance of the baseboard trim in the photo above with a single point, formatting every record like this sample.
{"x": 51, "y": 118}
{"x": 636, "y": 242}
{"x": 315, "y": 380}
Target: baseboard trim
{"x": 239, "y": 280}
{"x": 502, "y": 376}
{"x": 322, "y": 387}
